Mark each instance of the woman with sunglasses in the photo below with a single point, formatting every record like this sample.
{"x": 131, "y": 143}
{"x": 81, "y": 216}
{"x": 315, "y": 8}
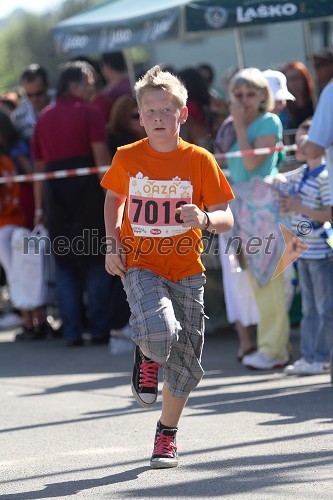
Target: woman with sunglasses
{"x": 252, "y": 125}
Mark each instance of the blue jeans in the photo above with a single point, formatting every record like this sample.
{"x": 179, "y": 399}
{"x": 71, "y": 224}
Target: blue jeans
{"x": 97, "y": 282}
{"x": 316, "y": 283}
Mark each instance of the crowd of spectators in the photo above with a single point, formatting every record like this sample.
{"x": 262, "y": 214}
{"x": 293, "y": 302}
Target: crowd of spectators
{"x": 82, "y": 121}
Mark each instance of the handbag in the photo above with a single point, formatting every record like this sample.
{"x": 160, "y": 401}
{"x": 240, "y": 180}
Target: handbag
{"x": 226, "y": 136}
{"x": 33, "y": 269}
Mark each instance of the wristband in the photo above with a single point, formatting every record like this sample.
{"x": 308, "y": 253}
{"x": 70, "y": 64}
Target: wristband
{"x": 207, "y": 221}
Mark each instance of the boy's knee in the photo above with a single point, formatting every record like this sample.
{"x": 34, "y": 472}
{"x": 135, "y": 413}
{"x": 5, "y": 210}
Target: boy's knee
{"x": 155, "y": 341}
{"x": 189, "y": 380}
{"x": 157, "y": 351}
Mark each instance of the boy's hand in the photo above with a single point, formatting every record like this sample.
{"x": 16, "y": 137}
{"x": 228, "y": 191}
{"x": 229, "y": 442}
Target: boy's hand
{"x": 278, "y": 179}
{"x": 192, "y": 216}
{"x": 115, "y": 263}
{"x": 289, "y": 203}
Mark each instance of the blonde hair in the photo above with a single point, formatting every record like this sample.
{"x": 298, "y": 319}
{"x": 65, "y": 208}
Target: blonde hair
{"x": 253, "y": 77}
{"x": 157, "y": 79}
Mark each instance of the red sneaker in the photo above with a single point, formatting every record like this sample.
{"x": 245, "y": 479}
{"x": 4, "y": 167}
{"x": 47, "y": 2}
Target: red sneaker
{"x": 165, "y": 450}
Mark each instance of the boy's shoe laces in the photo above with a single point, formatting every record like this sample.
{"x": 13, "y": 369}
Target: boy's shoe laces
{"x": 165, "y": 445}
{"x": 148, "y": 373}
{"x": 165, "y": 449}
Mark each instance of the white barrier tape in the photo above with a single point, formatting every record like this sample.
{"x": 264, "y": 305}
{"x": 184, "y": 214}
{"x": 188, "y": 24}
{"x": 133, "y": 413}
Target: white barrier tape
{"x": 74, "y": 172}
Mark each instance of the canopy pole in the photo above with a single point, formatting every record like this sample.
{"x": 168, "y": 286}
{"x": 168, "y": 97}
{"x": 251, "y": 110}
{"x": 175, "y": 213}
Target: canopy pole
{"x": 309, "y": 56}
{"x": 130, "y": 67}
{"x": 239, "y": 48}
{"x": 181, "y": 23}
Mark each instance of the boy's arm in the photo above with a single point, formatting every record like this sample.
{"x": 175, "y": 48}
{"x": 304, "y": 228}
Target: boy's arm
{"x": 292, "y": 203}
{"x": 115, "y": 261}
{"x": 220, "y": 218}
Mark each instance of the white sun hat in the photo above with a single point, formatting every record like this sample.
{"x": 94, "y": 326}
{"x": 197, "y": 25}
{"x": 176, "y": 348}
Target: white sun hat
{"x": 278, "y": 85}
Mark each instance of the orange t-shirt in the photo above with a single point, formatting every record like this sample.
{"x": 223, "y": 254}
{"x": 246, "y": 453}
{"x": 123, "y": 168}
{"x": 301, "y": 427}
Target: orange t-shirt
{"x": 10, "y": 210}
{"x": 176, "y": 256}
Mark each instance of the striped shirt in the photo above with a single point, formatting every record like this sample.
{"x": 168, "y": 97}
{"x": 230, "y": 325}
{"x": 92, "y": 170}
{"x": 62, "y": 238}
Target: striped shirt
{"x": 312, "y": 187}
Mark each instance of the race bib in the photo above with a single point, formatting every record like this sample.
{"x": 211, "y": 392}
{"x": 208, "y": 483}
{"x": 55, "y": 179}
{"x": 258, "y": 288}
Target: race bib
{"x": 152, "y": 206}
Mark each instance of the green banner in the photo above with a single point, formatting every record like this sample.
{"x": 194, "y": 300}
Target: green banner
{"x": 213, "y": 15}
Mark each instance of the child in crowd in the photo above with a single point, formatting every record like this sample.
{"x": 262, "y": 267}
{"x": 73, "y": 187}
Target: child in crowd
{"x": 35, "y": 325}
{"x": 309, "y": 200}
{"x": 165, "y": 183}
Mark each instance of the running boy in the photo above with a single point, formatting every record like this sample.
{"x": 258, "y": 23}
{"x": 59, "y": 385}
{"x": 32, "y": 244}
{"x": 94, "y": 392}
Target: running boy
{"x": 154, "y": 245}
{"x": 310, "y": 201}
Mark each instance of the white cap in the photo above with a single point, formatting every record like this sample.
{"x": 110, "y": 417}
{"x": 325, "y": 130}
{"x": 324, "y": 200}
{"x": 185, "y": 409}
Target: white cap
{"x": 278, "y": 85}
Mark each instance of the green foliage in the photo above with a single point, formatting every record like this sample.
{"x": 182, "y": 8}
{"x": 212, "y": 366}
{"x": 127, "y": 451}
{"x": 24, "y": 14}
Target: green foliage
{"x": 23, "y": 42}
{"x": 71, "y": 7}
{"x": 26, "y": 39}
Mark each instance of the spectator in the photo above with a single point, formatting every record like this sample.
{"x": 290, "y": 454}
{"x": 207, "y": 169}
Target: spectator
{"x": 254, "y": 127}
{"x": 302, "y": 87}
{"x": 309, "y": 199}
{"x": 18, "y": 150}
{"x": 36, "y": 97}
{"x": 35, "y": 324}
{"x": 97, "y": 97}
{"x": 217, "y": 105}
{"x": 323, "y": 65}
{"x": 319, "y": 142}
{"x": 123, "y": 128}
{"x": 72, "y": 134}
{"x": 197, "y": 129}
{"x": 124, "y": 125}
{"x": 281, "y": 95}
{"x": 226, "y": 77}
{"x": 278, "y": 85}
{"x": 35, "y": 83}
{"x": 114, "y": 70}
{"x": 8, "y": 102}
{"x": 207, "y": 74}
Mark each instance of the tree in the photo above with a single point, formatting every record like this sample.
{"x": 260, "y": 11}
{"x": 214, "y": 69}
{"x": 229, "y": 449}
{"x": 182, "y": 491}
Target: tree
{"x": 72, "y": 7}
{"x": 21, "y": 43}
{"x": 26, "y": 39}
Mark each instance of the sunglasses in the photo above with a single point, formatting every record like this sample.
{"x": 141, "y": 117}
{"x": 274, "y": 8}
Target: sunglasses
{"x": 39, "y": 93}
{"x": 250, "y": 95}
{"x": 135, "y": 116}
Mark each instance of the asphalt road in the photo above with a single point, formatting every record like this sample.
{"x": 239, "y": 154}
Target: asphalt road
{"x": 70, "y": 428}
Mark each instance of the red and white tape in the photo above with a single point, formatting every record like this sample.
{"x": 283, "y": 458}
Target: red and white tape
{"x": 58, "y": 174}
{"x": 75, "y": 172}
{"x": 257, "y": 151}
